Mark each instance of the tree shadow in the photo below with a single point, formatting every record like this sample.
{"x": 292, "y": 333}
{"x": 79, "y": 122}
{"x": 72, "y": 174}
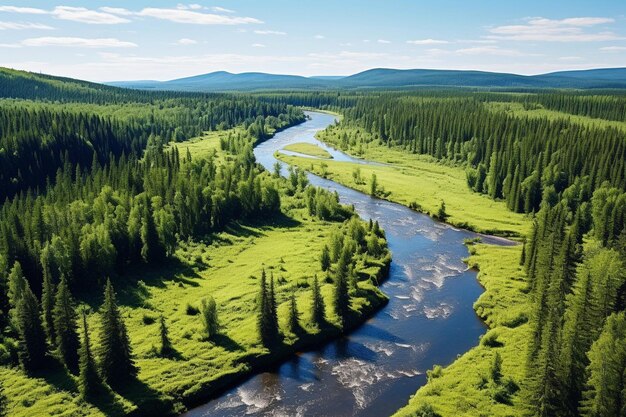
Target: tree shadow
{"x": 149, "y": 401}
{"x": 225, "y": 341}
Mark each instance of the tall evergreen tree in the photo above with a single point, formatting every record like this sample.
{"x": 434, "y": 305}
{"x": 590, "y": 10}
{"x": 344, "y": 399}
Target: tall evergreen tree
{"x": 116, "y": 361}
{"x": 293, "y": 317}
{"x": 3, "y": 401}
{"x": 267, "y": 325}
{"x": 325, "y": 258}
{"x": 16, "y": 286}
{"x": 341, "y": 296}
{"x": 89, "y": 380}
{"x": 32, "y": 344}
{"x": 607, "y": 371}
{"x": 317, "y": 304}
{"x": 47, "y": 305}
{"x": 67, "y": 340}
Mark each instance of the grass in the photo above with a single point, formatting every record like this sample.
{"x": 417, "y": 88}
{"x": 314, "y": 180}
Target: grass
{"x": 227, "y": 267}
{"x": 466, "y": 388}
{"x": 518, "y": 110}
{"x": 423, "y": 184}
{"x": 308, "y": 149}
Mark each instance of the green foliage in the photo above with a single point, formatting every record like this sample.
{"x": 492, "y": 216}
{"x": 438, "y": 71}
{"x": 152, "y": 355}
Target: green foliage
{"x": 293, "y": 318}
{"x": 441, "y": 212}
{"x": 32, "y": 348}
{"x": 67, "y": 341}
{"x": 210, "y": 319}
{"x": 166, "y": 349}
{"x": 116, "y": 362}
{"x": 317, "y": 302}
{"x": 89, "y": 381}
{"x": 607, "y": 370}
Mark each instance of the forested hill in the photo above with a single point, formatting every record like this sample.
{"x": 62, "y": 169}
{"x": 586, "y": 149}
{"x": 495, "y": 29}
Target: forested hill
{"x": 388, "y": 78}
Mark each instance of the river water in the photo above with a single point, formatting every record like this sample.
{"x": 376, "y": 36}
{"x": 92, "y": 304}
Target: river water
{"x": 374, "y": 370}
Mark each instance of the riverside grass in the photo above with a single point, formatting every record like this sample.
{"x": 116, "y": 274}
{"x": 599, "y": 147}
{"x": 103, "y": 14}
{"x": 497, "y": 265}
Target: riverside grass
{"x": 308, "y": 149}
{"x": 226, "y": 266}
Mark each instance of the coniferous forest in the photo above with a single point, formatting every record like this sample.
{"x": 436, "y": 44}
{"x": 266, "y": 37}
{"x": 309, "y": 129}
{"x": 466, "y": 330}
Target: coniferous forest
{"x": 102, "y": 185}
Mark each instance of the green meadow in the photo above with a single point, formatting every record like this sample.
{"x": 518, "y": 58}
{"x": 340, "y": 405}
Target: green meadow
{"x": 308, "y": 149}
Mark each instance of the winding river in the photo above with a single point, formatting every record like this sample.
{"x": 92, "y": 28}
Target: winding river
{"x": 375, "y": 369}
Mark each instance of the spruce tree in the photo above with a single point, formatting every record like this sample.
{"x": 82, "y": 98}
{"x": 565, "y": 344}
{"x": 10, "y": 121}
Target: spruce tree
{"x": 341, "y": 296}
{"x": 89, "y": 380}
{"x": 67, "y": 340}
{"x": 16, "y": 286}
{"x": 273, "y": 306}
{"x": 116, "y": 361}
{"x": 47, "y": 305}
{"x": 325, "y": 258}
{"x": 32, "y": 344}
{"x": 317, "y": 303}
{"x": 293, "y": 318}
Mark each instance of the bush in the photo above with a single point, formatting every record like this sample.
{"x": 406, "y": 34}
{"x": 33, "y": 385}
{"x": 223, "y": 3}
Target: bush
{"x": 434, "y": 373}
{"x": 491, "y": 340}
{"x": 147, "y": 319}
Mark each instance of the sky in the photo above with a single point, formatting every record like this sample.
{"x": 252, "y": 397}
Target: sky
{"x": 112, "y": 40}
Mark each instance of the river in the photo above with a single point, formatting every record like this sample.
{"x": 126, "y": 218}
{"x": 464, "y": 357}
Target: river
{"x": 374, "y": 370}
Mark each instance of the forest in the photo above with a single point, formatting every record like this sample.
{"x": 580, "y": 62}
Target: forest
{"x": 101, "y": 185}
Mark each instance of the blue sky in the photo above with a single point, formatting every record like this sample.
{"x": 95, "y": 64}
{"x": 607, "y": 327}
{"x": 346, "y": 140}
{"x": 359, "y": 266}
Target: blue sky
{"x": 105, "y": 40}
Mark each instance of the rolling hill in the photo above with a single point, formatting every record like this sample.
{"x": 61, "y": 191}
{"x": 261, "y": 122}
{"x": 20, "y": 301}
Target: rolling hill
{"x": 388, "y": 78}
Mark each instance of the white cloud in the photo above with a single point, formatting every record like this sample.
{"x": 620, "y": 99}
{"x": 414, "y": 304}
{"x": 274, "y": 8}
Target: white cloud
{"x": 117, "y": 10}
{"x": 489, "y": 50}
{"x": 218, "y": 9}
{"x": 75, "y": 14}
{"x": 24, "y": 10}
{"x": 613, "y": 48}
{"x": 427, "y": 42}
{"x": 83, "y": 15}
{"x": 319, "y": 36}
{"x": 570, "y": 58}
{"x": 383, "y": 41}
{"x": 258, "y": 45}
{"x": 23, "y": 25}
{"x": 78, "y": 42}
{"x": 548, "y": 30}
{"x": 195, "y": 18}
{"x": 270, "y": 32}
{"x": 186, "y": 41}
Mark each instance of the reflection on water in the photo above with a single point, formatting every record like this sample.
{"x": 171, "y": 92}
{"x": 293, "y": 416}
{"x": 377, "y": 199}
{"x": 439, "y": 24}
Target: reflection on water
{"x": 373, "y": 371}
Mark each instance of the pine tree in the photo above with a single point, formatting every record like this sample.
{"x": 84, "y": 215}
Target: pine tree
{"x": 273, "y": 305}
{"x": 293, "y": 318}
{"x": 67, "y": 340}
{"x": 325, "y": 258}
{"x": 373, "y": 185}
{"x": 341, "y": 296}
{"x": 32, "y": 344}
{"x": 496, "y": 368}
{"x": 607, "y": 369}
{"x": 17, "y": 285}
{"x": 47, "y": 305}
{"x": 89, "y": 381}
{"x": 166, "y": 348}
{"x": 267, "y": 326}
{"x": 317, "y": 303}
{"x": 209, "y": 317}
{"x": 116, "y": 362}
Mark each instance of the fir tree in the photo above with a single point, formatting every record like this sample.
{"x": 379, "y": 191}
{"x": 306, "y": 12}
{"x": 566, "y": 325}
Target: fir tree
{"x": 47, "y": 305}
{"x": 116, "y": 362}
{"x": 17, "y": 285}
{"x": 317, "y": 304}
{"x": 373, "y": 185}
{"x": 267, "y": 326}
{"x": 89, "y": 380}
{"x": 341, "y": 296}
{"x": 293, "y": 317}
{"x": 3, "y": 401}
{"x": 441, "y": 212}
{"x": 32, "y": 344}
{"x": 67, "y": 340}
{"x": 325, "y": 258}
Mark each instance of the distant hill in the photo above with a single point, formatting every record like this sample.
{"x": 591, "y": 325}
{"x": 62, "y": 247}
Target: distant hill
{"x": 388, "y": 78}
